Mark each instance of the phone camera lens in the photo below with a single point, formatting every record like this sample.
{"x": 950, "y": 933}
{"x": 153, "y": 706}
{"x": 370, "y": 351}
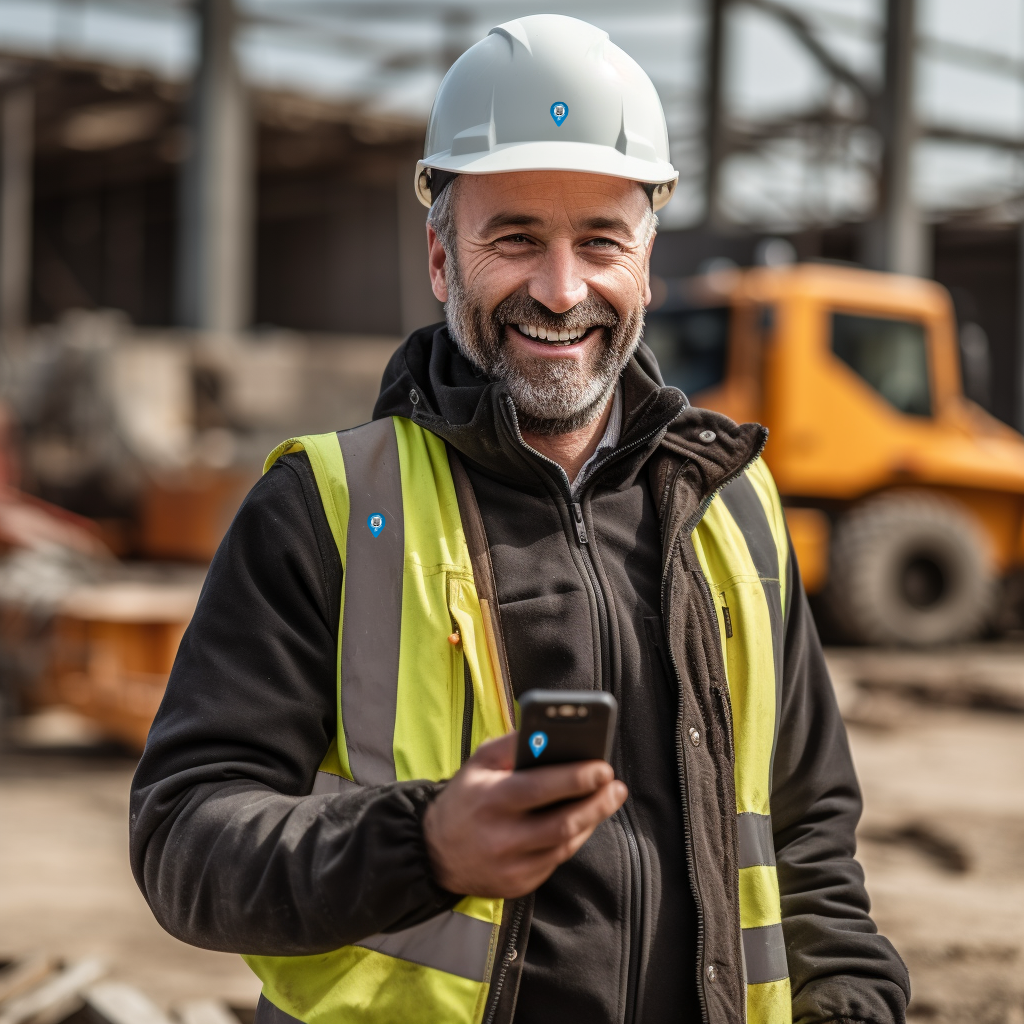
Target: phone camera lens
{"x": 551, "y": 711}
{"x": 582, "y": 711}
{"x": 567, "y": 710}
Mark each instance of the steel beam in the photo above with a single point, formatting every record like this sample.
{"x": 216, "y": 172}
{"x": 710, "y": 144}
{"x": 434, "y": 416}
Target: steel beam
{"x": 16, "y": 142}
{"x": 715, "y": 137}
{"x": 895, "y": 239}
{"x": 214, "y": 267}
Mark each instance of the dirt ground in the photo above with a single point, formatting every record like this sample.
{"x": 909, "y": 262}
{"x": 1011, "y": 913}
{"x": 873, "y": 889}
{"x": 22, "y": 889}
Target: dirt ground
{"x": 938, "y": 740}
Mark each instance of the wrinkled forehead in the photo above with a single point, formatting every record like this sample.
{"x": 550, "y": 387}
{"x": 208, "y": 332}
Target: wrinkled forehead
{"x": 549, "y": 198}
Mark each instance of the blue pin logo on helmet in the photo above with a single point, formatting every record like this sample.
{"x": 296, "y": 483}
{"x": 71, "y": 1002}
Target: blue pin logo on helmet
{"x": 505, "y": 103}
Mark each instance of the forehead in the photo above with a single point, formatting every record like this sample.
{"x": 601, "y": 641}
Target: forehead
{"x": 549, "y": 198}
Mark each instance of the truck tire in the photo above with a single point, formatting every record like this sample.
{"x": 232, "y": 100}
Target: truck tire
{"x": 909, "y": 570}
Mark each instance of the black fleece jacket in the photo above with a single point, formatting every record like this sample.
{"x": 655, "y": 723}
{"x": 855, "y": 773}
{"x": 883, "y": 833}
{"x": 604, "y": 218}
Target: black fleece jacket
{"x": 233, "y": 854}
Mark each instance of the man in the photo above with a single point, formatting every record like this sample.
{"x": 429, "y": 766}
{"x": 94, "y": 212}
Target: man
{"x": 327, "y": 788}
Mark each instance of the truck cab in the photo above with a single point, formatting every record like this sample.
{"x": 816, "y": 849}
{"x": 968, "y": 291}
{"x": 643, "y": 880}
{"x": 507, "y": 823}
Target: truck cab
{"x": 905, "y": 500}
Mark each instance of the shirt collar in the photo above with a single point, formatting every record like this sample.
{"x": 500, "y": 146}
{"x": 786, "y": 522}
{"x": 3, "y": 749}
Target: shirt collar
{"x": 609, "y": 439}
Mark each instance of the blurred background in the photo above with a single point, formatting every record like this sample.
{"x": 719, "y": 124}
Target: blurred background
{"x": 209, "y": 242}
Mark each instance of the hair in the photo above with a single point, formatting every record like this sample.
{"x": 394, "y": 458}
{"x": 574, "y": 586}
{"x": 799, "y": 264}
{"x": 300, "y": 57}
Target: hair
{"x": 442, "y": 219}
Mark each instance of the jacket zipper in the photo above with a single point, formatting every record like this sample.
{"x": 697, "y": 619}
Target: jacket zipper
{"x": 685, "y": 530}
{"x": 506, "y": 960}
{"x": 684, "y": 791}
{"x": 636, "y": 875}
{"x": 635, "y": 919}
{"x": 576, "y": 513}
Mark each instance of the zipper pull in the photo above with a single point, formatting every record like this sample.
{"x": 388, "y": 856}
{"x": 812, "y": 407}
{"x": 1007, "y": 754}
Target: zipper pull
{"x": 577, "y": 518}
{"x": 727, "y": 616}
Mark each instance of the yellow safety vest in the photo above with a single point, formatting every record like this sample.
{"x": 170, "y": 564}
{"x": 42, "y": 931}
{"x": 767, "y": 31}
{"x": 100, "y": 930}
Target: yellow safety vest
{"x": 412, "y": 705}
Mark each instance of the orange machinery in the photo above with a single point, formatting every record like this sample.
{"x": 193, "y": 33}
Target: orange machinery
{"x": 905, "y": 500}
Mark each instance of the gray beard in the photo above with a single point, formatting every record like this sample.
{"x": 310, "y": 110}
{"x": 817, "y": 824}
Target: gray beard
{"x": 551, "y": 396}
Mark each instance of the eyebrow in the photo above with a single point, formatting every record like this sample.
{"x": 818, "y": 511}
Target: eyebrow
{"x": 525, "y": 220}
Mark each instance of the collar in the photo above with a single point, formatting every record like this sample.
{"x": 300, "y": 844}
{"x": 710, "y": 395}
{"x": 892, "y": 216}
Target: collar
{"x": 609, "y": 440}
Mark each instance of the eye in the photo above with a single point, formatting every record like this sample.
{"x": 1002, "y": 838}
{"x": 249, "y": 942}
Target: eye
{"x": 516, "y": 239}
{"x": 601, "y": 243}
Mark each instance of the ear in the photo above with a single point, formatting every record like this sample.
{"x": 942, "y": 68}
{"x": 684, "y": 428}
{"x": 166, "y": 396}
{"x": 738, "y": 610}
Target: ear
{"x": 647, "y": 273}
{"x": 436, "y": 258}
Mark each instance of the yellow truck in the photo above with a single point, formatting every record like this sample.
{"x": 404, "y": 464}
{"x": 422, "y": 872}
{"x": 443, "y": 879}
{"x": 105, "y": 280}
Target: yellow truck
{"x": 904, "y": 499}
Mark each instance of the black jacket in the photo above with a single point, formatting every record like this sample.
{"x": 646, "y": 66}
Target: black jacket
{"x": 232, "y": 854}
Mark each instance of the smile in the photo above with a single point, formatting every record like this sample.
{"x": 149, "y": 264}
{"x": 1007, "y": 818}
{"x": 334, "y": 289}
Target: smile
{"x": 553, "y": 337}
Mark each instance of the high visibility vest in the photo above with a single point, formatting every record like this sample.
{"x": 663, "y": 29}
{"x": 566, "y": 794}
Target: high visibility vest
{"x": 412, "y": 704}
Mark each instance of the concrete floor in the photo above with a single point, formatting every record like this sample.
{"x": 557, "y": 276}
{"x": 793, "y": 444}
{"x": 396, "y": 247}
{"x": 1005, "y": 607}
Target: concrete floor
{"x": 938, "y": 741}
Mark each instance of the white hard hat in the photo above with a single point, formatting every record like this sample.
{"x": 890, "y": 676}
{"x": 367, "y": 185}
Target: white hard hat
{"x": 548, "y": 93}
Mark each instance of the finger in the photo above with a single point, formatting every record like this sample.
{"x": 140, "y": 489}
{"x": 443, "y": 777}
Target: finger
{"x": 548, "y": 830}
{"x": 498, "y": 755}
{"x": 537, "y": 787}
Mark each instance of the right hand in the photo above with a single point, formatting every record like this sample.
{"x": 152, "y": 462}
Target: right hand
{"x": 486, "y": 835}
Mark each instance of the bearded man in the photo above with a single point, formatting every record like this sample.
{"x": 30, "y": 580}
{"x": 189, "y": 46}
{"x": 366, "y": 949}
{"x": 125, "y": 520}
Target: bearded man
{"x": 328, "y": 788}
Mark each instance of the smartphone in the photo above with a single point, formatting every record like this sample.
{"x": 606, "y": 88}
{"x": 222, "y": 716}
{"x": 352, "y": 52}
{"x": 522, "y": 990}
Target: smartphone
{"x": 559, "y": 726}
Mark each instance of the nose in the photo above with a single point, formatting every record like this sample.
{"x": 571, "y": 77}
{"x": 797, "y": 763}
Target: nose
{"x": 557, "y": 282}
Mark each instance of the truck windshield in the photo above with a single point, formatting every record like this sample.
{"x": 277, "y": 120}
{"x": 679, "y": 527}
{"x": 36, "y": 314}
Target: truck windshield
{"x": 690, "y": 346}
{"x": 890, "y": 355}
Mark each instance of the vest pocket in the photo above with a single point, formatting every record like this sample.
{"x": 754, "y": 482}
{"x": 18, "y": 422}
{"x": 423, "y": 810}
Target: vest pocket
{"x": 460, "y": 679}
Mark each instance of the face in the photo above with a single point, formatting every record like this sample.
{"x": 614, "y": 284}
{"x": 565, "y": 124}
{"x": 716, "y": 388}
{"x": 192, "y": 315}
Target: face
{"x": 546, "y": 287}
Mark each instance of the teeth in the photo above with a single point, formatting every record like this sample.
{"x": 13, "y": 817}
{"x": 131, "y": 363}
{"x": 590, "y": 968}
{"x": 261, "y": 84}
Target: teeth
{"x": 545, "y": 334}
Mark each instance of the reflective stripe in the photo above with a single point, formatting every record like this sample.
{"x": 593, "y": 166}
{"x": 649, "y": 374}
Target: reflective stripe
{"x": 757, "y": 844}
{"x": 328, "y": 782}
{"x": 764, "y": 954}
{"x": 450, "y": 942}
{"x": 268, "y": 1013}
{"x": 372, "y": 620}
{"x": 745, "y": 506}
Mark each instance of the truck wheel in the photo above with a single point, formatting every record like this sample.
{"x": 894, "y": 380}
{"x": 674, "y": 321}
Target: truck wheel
{"x": 909, "y": 569}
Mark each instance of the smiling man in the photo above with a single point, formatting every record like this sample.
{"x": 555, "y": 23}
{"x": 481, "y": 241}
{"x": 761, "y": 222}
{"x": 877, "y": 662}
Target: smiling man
{"x": 328, "y": 787}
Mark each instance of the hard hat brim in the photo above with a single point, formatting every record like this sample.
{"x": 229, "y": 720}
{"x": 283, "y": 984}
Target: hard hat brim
{"x": 585, "y": 157}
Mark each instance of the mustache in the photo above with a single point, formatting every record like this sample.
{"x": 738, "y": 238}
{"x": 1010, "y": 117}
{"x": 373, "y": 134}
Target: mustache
{"x": 520, "y": 308}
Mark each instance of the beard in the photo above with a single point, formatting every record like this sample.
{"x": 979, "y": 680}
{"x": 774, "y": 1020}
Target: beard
{"x": 551, "y": 396}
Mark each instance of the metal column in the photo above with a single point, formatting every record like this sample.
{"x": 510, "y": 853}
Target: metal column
{"x": 214, "y": 287}
{"x": 714, "y": 115}
{"x": 895, "y": 239}
{"x": 16, "y": 144}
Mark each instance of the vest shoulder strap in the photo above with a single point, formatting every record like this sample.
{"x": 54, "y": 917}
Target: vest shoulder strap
{"x": 328, "y": 466}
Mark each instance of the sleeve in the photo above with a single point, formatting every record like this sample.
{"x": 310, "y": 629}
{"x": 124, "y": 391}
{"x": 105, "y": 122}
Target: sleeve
{"x": 226, "y": 845}
{"x": 841, "y": 969}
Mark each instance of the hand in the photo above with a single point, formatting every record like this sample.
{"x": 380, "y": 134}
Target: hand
{"x": 484, "y": 832}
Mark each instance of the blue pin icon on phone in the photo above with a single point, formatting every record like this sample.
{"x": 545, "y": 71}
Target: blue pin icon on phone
{"x": 538, "y": 741}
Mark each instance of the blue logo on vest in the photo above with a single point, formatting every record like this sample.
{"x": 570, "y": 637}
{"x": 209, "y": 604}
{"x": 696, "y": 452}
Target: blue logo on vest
{"x": 375, "y": 523}
{"x": 538, "y": 741}
{"x": 559, "y": 112}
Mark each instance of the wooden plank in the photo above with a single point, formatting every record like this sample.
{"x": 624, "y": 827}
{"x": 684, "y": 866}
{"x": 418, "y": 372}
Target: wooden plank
{"x": 23, "y": 974}
{"x": 204, "y": 1011}
{"x": 54, "y": 991}
{"x": 118, "y": 1003}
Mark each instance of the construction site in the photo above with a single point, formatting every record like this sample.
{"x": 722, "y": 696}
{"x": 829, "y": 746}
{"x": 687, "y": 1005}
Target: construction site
{"x": 210, "y": 242}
